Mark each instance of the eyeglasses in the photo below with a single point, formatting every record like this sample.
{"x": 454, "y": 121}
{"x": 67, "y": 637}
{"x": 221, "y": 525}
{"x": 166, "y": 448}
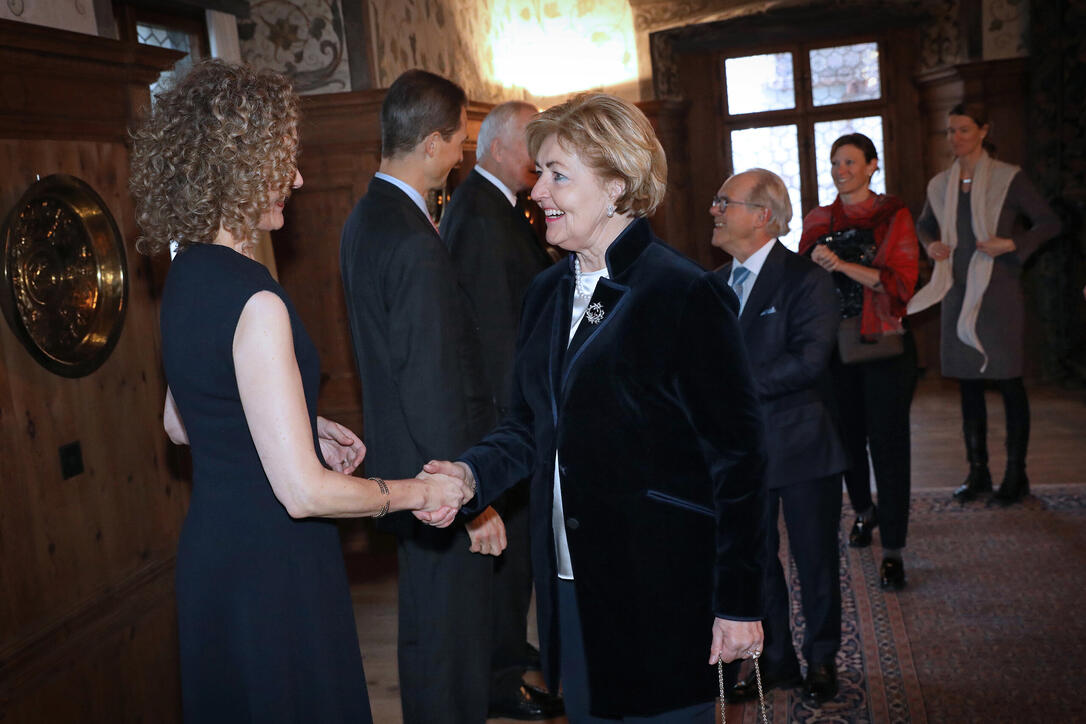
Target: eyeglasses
{"x": 723, "y": 202}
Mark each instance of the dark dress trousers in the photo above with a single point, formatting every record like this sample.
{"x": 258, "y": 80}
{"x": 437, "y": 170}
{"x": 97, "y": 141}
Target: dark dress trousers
{"x": 653, "y": 415}
{"x": 424, "y": 398}
{"x": 496, "y": 255}
{"x": 789, "y": 324}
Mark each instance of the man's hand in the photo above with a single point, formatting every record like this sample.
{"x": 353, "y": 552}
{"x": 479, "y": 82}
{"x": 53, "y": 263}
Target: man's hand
{"x": 487, "y": 533}
{"x": 735, "y": 640}
{"x": 341, "y": 448}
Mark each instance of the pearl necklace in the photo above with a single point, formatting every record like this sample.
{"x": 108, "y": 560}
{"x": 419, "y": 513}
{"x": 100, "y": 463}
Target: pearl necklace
{"x": 582, "y": 287}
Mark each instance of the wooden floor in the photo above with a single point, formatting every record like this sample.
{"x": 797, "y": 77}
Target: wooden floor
{"x": 1057, "y": 455}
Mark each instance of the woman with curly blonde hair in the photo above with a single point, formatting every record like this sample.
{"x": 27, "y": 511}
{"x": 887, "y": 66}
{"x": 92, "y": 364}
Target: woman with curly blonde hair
{"x": 264, "y": 613}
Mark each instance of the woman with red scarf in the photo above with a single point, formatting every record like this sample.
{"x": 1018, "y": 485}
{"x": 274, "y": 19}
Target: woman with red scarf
{"x": 868, "y": 242}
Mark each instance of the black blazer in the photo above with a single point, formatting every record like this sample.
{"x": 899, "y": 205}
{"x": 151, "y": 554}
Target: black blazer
{"x": 653, "y": 413}
{"x": 423, "y": 390}
{"x": 496, "y": 255}
{"x": 789, "y": 324}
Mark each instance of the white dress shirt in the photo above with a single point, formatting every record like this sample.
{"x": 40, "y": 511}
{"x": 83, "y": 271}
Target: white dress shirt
{"x": 558, "y": 515}
{"x": 753, "y": 265}
{"x": 411, "y": 191}
{"x": 497, "y": 182}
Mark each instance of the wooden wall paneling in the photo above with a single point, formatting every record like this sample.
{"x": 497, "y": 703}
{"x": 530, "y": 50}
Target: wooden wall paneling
{"x": 341, "y": 142}
{"x": 87, "y": 625}
{"x": 60, "y": 84}
{"x": 905, "y": 143}
{"x": 112, "y": 413}
{"x": 708, "y": 161}
{"x": 671, "y": 222}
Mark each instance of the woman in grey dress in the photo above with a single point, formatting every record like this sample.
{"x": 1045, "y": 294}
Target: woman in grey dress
{"x": 982, "y": 220}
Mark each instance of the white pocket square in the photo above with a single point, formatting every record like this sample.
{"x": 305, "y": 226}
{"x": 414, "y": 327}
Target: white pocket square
{"x": 767, "y": 312}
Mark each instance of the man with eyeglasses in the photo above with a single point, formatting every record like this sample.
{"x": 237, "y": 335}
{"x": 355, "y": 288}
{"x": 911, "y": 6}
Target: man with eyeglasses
{"x": 788, "y": 314}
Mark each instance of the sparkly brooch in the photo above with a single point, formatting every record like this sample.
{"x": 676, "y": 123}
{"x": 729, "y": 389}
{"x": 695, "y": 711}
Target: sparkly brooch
{"x": 594, "y": 313}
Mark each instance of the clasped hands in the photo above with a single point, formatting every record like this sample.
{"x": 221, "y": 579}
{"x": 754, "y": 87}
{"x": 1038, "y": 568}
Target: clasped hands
{"x": 455, "y": 486}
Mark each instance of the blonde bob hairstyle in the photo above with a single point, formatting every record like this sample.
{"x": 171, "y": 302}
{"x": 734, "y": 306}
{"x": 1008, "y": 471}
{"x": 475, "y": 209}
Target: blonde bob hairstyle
{"x": 210, "y": 154}
{"x": 614, "y": 139}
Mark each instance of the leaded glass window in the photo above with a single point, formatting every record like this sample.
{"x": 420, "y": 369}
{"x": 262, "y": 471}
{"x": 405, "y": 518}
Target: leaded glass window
{"x": 173, "y": 39}
{"x": 784, "y": 107}
{"x": 825, "y": 133}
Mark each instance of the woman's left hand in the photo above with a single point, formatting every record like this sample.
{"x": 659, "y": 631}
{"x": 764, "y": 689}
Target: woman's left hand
{"x": 825, "y": 258}
{"x": 735, "y": 640}
{"x": 341, "y": 448}
{"x": 996, "y": 245}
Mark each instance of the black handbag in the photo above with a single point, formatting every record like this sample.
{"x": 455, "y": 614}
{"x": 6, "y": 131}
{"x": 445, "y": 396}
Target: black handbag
{"x": 857, "y": 246}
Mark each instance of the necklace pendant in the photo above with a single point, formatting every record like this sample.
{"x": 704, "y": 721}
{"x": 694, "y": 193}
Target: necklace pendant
{"x": 594, "y": 313}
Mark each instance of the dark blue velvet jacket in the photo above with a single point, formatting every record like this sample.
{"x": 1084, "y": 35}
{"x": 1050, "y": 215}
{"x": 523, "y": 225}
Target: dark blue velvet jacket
{"x": 656, "y": 422}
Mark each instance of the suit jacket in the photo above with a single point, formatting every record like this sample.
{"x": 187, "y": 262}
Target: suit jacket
{"x": 423, "y": 390}
{"x": 496, "y": 255}
{"x": 789, "y": 324}
{"x": 653, "y": 414}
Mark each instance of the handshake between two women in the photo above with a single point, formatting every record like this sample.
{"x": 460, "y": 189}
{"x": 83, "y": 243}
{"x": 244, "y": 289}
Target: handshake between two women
{"x": 449, "y": 480}
{"x": 434, "y": 496}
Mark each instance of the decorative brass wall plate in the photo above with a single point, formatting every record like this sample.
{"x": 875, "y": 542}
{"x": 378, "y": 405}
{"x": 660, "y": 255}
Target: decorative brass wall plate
{"x": 63, "y": 280}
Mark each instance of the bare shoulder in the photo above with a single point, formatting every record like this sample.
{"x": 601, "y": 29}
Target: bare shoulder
{"x": 264, "y": 314}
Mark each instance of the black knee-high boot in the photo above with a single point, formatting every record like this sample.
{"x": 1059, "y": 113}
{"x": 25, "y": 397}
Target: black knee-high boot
{"x": 1015, "y": 485}
{"x": 979, "y": 480}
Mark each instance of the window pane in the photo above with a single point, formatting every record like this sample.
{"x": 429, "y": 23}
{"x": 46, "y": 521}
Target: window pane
{"x": 826, "y": 133}
{"x": 760, "y": 83}
{"x": 167, "y": 38}
{"x": 775, "y": 148}
{"x": 844, "y": 74}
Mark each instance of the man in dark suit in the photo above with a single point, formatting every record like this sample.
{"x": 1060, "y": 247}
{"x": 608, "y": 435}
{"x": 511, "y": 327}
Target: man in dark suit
{"x": 789, "y": 315}
{"x": 496, "y": 254}
{"x": 424, "y": 394}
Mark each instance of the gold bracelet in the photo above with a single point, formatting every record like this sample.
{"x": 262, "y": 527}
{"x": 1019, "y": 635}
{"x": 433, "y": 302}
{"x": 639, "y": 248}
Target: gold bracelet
{"x": 384, "y": 491}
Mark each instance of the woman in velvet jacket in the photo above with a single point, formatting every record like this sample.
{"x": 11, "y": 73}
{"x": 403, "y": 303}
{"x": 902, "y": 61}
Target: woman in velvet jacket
{"x": 636, "y": 418}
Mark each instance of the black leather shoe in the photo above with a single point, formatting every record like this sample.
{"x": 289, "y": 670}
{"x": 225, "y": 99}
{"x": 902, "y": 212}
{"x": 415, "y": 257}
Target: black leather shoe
{"x": 527, "y": 703}
{"x": 747, "y": 689}
{"x": 1014, "y": 488}
{"x": 860, "y": 535}
{"x": 821, "y": 683}
{"x": 977, "y": 483}
{"x": 892, "y": 574}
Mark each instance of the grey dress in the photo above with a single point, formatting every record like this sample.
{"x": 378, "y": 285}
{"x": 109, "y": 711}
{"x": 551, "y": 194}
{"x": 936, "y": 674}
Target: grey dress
{"x": 1027, "y": 219}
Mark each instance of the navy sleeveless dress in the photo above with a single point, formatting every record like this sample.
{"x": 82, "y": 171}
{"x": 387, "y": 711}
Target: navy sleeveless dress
{"x": 267, "y": 632}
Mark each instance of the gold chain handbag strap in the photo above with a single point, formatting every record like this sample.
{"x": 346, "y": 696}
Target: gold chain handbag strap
{"x": 757, "y": 677}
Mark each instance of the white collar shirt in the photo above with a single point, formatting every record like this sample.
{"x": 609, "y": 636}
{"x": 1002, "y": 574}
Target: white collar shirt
{"x": 411, "y": 191}
{"x": 497, "y": 182}
{"x": 753, "y": 265}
